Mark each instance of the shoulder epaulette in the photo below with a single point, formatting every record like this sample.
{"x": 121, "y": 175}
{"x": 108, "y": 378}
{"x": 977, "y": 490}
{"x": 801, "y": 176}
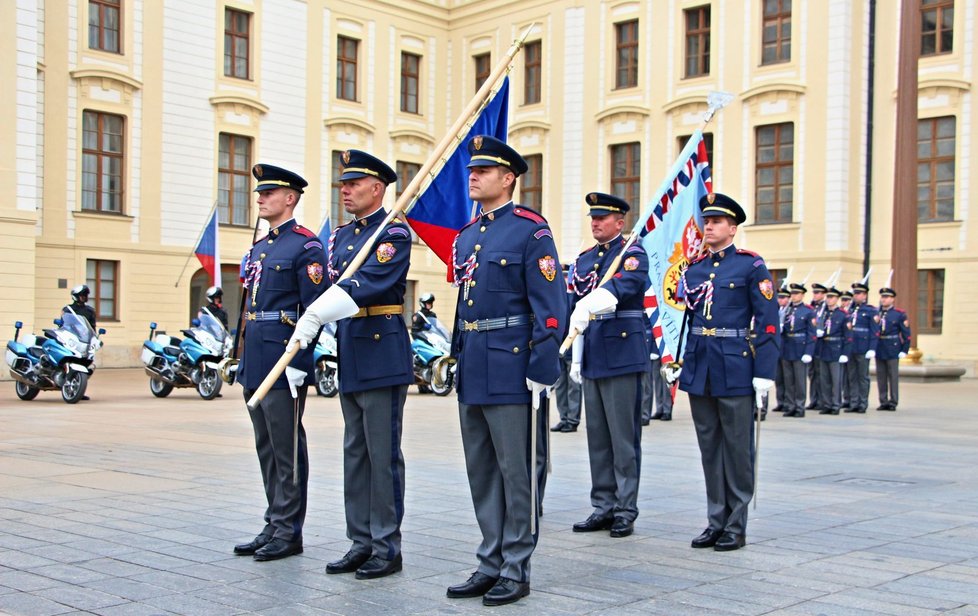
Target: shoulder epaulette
{"x": 530, "y": 215}
{"x": 303, "y": 231}
{"x": 742, "y": 251}
{"x": 587, "y": 250}
{"x": 470, "y": 223}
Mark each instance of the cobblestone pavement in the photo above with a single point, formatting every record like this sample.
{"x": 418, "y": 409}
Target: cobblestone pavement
{"x": 128, "y": 504}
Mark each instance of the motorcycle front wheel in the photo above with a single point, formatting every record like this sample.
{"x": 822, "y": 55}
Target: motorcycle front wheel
{"x": 74, "y": 386}
{"x": 159, "y": 388}
{"x": 25, "y": 391}
{"x": 326, "y": 380}
{"x": 210, "y": 383}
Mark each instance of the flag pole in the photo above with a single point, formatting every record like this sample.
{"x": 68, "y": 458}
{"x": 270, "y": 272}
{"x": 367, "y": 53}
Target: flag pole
{"x": 452, "y": 139}
{"x": 715, "y": 102}
{"x": 196, "y": 243}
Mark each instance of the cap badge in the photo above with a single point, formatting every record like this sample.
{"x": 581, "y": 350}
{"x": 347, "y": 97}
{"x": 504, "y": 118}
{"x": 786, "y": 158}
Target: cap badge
{"x": 346, "y": 157}
{"x": 258, "y": 171}
{"x": 477, "y": 142}
{"x": 710, "y": 198}
{"x": 593, "y": 198}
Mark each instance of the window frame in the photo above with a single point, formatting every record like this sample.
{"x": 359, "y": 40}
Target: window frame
{"x": 405, "y": 171}
{"x": 930, "y": 303}
{"x": 100, "y": 156}
{"x": 233, "y": 36}
{"x": 933, "y": 162}
{"x": 343, "y": 62}
{"x": 702, "y": 35}
{"x": 102, "y": 7}
{"x": 939, "y": 7}
{"x": 533, "y": 72}
{"x": 778, "y": 20}
{"x": 406, "y": 78}
{"x": 530, "y": 191}
{"x": 94, "y": 284}
{"x": 337, "y": 214}
{"x": 626, "y": 54}
{"x": 483, "y": 68}
{"x": 778, "y": 164}
{"x": 227, "y": 210}
{"x": 628, "y": 187}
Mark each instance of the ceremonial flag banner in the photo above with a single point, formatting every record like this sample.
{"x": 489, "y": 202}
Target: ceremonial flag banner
{"x": 444, "y": 206}
{"x": 207, "y": 250}
{"x": 671, "y": 231}
{"x": 325, "y": 231}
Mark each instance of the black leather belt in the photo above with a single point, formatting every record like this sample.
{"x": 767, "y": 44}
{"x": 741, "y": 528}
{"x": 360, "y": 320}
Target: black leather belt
{"x": 621, "y": 314}
{"x": 282, "y": 316}
{"x": 719, "y": 332}
{"x": 485, "y": 325}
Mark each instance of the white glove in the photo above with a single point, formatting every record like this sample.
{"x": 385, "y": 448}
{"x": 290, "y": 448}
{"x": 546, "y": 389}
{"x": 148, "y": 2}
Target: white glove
{"x": 599, "y": 301}
{"x": 671, "y": 372}
{"x": 535, "y": 390}
{"x": 575, "y": 372}
{"x": 870, "y": 354}
{"x": 580, "y": 318}
{"x": 332, "y": 305}
{"x": 843, "y": 359}
{"x": 653, "y": 356}
{"x": 295, "y": 377}
{"x": 819, "y": 333}
{"x": 761, "y": 385}
{"x": 901, "y": 355}
{"x": 759, "y": 399}
{"x": 806, "y": 358}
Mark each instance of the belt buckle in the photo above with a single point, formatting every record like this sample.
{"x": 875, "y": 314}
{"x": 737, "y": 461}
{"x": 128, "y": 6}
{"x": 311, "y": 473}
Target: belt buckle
{"x": 470, "y": 326}
{"x": 252, "y": 316}
{"x": 709, "y": 331}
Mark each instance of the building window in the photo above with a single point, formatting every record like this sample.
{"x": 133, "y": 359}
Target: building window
{"x": 776, "y": 32}
{"x": 482, "y": 69}
{"x": 405, "y": 173}
{"x": 935, "y": 169}
{"x": 774, "y": 159}
{"x": 532, "y": 68}
{"x": 626, "y": 57}
{"x": 102, "y": 278}
{"x": 777, "y": 277}
{"x": 930, "y": 301}
{"x": 626, "y": 181}
{"x": 103, "y": 139}
{"x": 237, "y": 28}
{"x": 103, "y": 25}
{"x": 338, "y": 214}
{"x": 936, "y": 27}
{"x": 410, "y": 74}
{"x": 708, "y": 140}
{"x": 347, "y": 50}
{"x": 697, "y": 41}
{"x": 233, "y": 179}
{"x": 531, "y": 187}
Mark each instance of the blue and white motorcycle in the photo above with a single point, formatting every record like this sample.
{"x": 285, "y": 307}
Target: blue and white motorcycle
{"x": 434, "y": 368}
{"x": 191, "y": 362}
{"x": 326, "y": 362}
{"x": 62, "y": 358}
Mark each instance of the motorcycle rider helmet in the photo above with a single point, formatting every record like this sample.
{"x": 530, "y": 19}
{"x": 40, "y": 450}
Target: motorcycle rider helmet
{"x": 80, "y": 290}
{"x": 427, "y": 298}
{"x": 214, "y": 293}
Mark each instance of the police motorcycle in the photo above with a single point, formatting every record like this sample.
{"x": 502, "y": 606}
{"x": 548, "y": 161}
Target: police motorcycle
{"x": 434, "y": 368}
{"x": 191, "y": 362}
{"x": 326, "y": 362}
{"x": 60, "y": 359}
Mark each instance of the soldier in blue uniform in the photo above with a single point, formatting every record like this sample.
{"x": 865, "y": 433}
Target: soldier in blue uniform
{"x": 864, "y": 323}
{"x": 797, "y": 348}
{"x": 832, "y": 353}
{"x": 377, "y": 368}
{"x": 893, "y": 346}
{"x": 784, "y": 298}
{"x": 818, "y": 306}
{"x": 613, "y": 358}
{"x": 511, "y": 311}
{"x": 284, "y": 275}
{"x": 724, "y": 369}
{"x": 567, "y": 391}
{"x": 845, "y": 303}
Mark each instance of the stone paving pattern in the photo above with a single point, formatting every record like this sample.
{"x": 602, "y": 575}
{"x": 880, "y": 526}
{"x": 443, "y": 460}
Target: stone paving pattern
{"x": 128, "y": 504}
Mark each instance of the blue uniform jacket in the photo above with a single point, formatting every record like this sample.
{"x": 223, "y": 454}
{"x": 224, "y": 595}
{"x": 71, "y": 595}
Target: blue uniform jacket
{"x": 615, "y": 346}
{"x": 799, "y": 333}
{"x": 374, "y": 351}
{"x": 865, "y": 327}
{"x": 894, "y": 334}
{"x": 837, "y": 339}
{"x": 506, "y": 265}
{"x": 284, "y": 272}
{"x": 741, "y": 289}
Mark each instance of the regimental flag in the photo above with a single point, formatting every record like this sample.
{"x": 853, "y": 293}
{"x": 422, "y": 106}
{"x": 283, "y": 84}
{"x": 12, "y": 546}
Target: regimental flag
{"x": 208, "y": 252}
{"x": 444, "y": 207}
{"x": 671, "y": 233}
{"x": 325, "y": 231}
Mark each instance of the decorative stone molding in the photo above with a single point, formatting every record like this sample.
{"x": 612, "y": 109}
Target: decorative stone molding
{"x": 617, "y": 113}
{"x": 946, "y": 89}
{"x": 106, "y": 79}
{"x": 412, "y": 137}
{"x": 772, "y": 93}
{"x": 239, "y": 105}
{"x": 348, "y": 124}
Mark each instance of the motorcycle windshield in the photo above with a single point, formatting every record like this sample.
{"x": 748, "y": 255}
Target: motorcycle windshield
{"x": 438, "y": 329}
{"x": 79, "y": 326}
{"x": 210, "y": 324}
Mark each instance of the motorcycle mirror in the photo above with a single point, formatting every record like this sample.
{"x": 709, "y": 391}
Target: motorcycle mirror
{"x": 152, "y": 324}
{"x": 195, "y": 322}
{"x": 101, "y": 331}
{"x": 59, "y": 322}
{"x": 19, "y": 324}
{"x": 234, "y": 332}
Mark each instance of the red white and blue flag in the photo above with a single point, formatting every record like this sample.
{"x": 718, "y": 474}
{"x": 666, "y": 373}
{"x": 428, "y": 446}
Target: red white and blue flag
{"x": 325, "y": 231}
{"x": 208, "y": 252}
{"x": 444, "y": 207}
{"x": 671, "y": 231}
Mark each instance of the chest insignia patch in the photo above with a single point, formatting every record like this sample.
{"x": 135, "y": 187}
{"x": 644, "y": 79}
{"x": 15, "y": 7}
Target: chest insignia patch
{"x": 767, "y": 288}
{"x": 386, "y": 252}
{"x": 631, "y": 264}
{"x": 315, "y": 272}
{"x": 548, "y": 267}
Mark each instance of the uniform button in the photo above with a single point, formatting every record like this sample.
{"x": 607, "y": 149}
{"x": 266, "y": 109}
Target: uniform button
{"x": 471, "y": 302}
{"x": 600, "y": 254}
{"x": 478, "y": 247}
{"x": 271, "y": 241}
{"x": 709, "y": 317}
{"x": 350, "y": 247}
{"x": 356, "y": 232}
{"x": 285, "y": 342}
{"x": 731, "y": 285}
{"x": 502, "y": 261}
{"x": 745, "y": 353}
{"x": 595, "y": 266}
{"x": 716, "y": 264}
{"x": 516, "y": 349}
{"x": 713, "y": 275}
{"x": 624, "y": 335}
{"x": 471, "y": 283}
{"x": 482, "y": 229}
{"x": 376, "y": 336}
{"x": 278, "y": 267}
{"x": 261, "y": 256}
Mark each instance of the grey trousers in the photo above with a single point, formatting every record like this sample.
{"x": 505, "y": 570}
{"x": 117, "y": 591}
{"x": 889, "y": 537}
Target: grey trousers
{"x": 275, "y": 420}
{"x": 795, "y": 384}
{"x": 814, "y": 377}
{"x": 614, "y": 443}
{"x": 497, "y": 459}
{"x": 858, "y": 376}
{"x": 725, "y": 431}
{"x": 888, "y": 380}
{"x": 779, "y": 386}
{"x": 663, "y": 393}
{"x": 568, "y": 394}
{"x": 830, "y": 377}
{"x": 373, "y": 469}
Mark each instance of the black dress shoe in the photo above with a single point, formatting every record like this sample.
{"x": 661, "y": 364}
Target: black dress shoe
{"x": 622, "y": 527}
{"x": 569, "y": 427}
{"x": 666, "y": 417}
{"x": 707, "y": 539}
{"x": 656, "y": 416}
{"x": 279, "y": 548}
{"x": 794, "y": 413}
{"x": 729, "y": 542}
{"x": 811, "y": 406}
{"x": 558, "y": 427}
{"x": 594, "y": 522}
{"x": 861, "y": 409}
{"x": 506, "y": 591}
{"x": 849, "y": 409}
{"x": 377, "y": 567}
{"x": 777, "y": 409}
{"x": 477, "y": 585}
{"x": 881, "y": 407}
{"x": 645, "y": 422}
{"x": 350, "y": 562}
{"x": 247, "y": 549}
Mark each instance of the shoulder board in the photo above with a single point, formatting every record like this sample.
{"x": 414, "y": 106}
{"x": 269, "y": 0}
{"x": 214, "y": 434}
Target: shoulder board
{"x": 749, "y": 253}
{"x": 898, "y": 310}
{"x": 303, "y": 231}
{"x": 530, "y": 215}
{"x": 470, "y": 223}
{"x": 587, "y": 250}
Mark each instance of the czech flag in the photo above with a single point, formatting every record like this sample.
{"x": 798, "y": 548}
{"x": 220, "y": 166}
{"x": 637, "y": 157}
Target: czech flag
{"x": 325, "y": 231}
{"x": 207, "y": 250}
{"x": 444, "y": 207}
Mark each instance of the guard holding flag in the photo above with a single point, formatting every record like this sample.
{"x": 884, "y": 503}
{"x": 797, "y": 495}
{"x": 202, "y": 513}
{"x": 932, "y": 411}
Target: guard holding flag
{"x": 283, "y": 275}
{"x": 612, "y": 358}
{"x": 725, "y": 368}
{"x": 511, "y": 310}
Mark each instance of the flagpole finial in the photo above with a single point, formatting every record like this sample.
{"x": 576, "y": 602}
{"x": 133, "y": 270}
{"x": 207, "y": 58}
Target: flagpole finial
{"x": 715, "y": 101}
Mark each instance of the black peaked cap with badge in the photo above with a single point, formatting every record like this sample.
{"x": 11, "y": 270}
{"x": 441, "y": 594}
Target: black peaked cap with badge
{"x": 796, "y": 287}
{"x": 717, "y": 204}
{"x": 818, "y": 286}
{"x": 487, "y": 151}
{"x": 860, "y": 287}
{"x": 271, "y": 177}
{"x": 602, "y": 204}
{"x": 359, "y": 164}
{"x": 888, "y": 292}
{"x": 832, "y": 292}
